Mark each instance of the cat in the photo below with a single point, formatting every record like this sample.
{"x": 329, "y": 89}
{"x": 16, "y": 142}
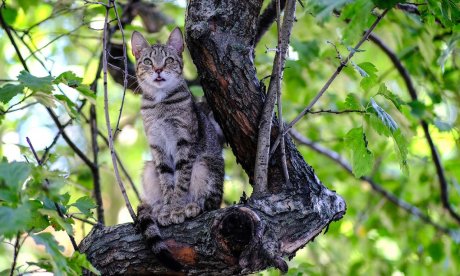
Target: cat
{"x": 185, "y": 177}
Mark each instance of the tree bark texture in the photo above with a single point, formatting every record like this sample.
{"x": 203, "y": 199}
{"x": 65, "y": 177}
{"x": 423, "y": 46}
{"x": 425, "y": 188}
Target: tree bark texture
{"x": 259, "y": 232}
{"x": 237, "y": 240}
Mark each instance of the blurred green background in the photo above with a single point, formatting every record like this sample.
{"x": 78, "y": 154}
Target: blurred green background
{"x": 375, "y": 237}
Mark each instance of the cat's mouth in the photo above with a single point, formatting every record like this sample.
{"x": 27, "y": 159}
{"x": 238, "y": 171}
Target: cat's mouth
{"x": 159, "y": 79}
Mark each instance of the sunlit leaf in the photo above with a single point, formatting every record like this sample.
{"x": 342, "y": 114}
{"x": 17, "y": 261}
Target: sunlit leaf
{"x": 384, "y": 116}
{"x": 84, "y": 204}
{"x": 42, "y": 84}
{"x": 395, "y": 99}
{"x": 362, "y": 157}
{"x": 8, "y": 91}
{"x": 352, "y": 102}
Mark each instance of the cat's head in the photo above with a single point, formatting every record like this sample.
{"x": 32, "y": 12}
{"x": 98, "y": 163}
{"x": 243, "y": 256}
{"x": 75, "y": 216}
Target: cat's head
{"x": 158, "y": 66}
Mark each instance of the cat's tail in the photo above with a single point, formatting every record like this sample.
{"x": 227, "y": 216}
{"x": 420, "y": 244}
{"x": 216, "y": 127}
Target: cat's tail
{"x": 152, "y": 235}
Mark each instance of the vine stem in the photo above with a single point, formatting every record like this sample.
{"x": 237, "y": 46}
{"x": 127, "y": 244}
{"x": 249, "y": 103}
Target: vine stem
{"x": 107, "y": 116}
{"x": 329, "y": 81}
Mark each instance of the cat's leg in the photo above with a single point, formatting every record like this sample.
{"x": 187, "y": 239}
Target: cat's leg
{"x": 206, "y": 186}
{"x": 183, "y": 169}
{"x": 152, "y": 195}
{"x": 165, "y": 175}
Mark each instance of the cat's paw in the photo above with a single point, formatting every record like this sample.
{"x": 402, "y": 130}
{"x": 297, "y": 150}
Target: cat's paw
{"x": 192, "y": 210}
{"x": 144, "y": 211}
{"x": 177, "y": 215}
{"x": 164, "y": 217}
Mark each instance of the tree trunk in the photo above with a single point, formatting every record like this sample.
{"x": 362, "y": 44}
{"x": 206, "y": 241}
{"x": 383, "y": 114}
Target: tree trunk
{"x": 255, "y": 234}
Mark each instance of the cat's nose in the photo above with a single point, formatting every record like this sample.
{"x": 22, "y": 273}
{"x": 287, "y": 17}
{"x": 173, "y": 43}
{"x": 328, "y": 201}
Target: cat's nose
{"x": 158, "y": 70}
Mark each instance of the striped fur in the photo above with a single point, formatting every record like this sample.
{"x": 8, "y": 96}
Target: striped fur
{"x": 186, "y": 175}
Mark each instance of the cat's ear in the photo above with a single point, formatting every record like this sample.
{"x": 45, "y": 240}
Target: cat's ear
{"x": 176, "y": 40}
{"x": 138, "y": 43}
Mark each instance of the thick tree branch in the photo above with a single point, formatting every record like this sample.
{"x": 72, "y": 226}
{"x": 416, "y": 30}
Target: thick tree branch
{"x": 233, "y": 241}
{"x": 434, "y": 151}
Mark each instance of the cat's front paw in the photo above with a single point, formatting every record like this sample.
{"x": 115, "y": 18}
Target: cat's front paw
{"x": 144, "y": 211}
{"x": 164, "y": 217}
{"x": 192, "y": 210}
{"x": 177, "y": 215}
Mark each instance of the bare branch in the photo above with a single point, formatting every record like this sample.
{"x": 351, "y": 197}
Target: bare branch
{"x": 125, "y": 64}
{"x": 17, "y": 247}
{"x": 107, "y": 117}
{"x": 278, "y": 96}
{"x": 329, "y": 111}
{"x": 265, "y": 123}
{"x": 434, "y": 151}
{"x": 267, "y": 18}
{"x": 330, "y": 80}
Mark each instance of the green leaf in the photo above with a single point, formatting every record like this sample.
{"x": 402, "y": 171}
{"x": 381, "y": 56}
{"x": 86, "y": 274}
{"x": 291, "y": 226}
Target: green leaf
{"x": 436, "y": 251}
{"x": 308, "y": 50}
{"x": 14, "y": 174}
{"x": 68, "y": 78}
{"x": 368, "y": 72}
{"x": 9, "y": 15}
{"x": 23, "y": 218}
{"x": 78, "y": 261}
{"x": 386, "y": 4}
{"x": 43, "y": 84}
{"x": 362, "y": 157}
{"x": 84, "y": 204}
{"x": 395, "y": 99}
{"x": 57, "y": 222}
{"x": 86, "y": 91}
{"x": 8, "y": 91}
{"x": 401, "y": 148}
{"x": 53, "y": 249}
{"x": 418, "y": 108}
{"x": 352, "y": 102}
{"x": 70, "y": 107}
{"x": 384, "y": 117}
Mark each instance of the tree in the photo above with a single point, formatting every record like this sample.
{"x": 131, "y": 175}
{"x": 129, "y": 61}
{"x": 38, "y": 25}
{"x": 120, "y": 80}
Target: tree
{"x": 289, "y": 206}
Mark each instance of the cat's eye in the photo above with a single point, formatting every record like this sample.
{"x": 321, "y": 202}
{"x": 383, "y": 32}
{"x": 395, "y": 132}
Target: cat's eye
{"x": 147, "y": 61}
{"x": 169, "y": 60}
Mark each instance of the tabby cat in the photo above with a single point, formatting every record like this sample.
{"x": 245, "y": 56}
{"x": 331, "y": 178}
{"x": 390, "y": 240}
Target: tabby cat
{"x": 186, "y": 175}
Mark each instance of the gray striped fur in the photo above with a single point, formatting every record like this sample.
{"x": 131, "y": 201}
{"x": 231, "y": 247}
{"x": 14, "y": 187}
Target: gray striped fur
{"x": 186, "y": 175}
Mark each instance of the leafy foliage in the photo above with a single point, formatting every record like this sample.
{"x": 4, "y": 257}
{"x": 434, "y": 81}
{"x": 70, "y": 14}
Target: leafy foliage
{"x": 374, "y": 238}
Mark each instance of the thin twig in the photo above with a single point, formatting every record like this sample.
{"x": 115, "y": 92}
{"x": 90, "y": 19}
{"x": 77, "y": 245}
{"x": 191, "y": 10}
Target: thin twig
{"x": 72, "y": 239}
{"x": 330, "y": 80}
{"x": 84, "y": 220}
{"x": 265, "y": 124}
{"x": 337, "y": 158}
{"x": 125, "y": 63}
{"x": 278, "y": 96}
{"x": 340, "y": 112}
{"x": 17, "y": 247}
{"x": 107, "y": 117}
{"x": 267, "y": 18}
{"x": 434, "y": 151}
{"x": 122, "y": 166}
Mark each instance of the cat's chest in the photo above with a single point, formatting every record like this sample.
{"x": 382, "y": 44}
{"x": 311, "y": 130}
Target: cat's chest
{"x": 165, "y": 130}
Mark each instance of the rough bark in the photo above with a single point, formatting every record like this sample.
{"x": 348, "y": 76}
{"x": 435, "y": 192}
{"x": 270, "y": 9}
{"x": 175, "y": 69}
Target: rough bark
{"x": 237, "y": 240}
{"x": 255, "y": 234}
